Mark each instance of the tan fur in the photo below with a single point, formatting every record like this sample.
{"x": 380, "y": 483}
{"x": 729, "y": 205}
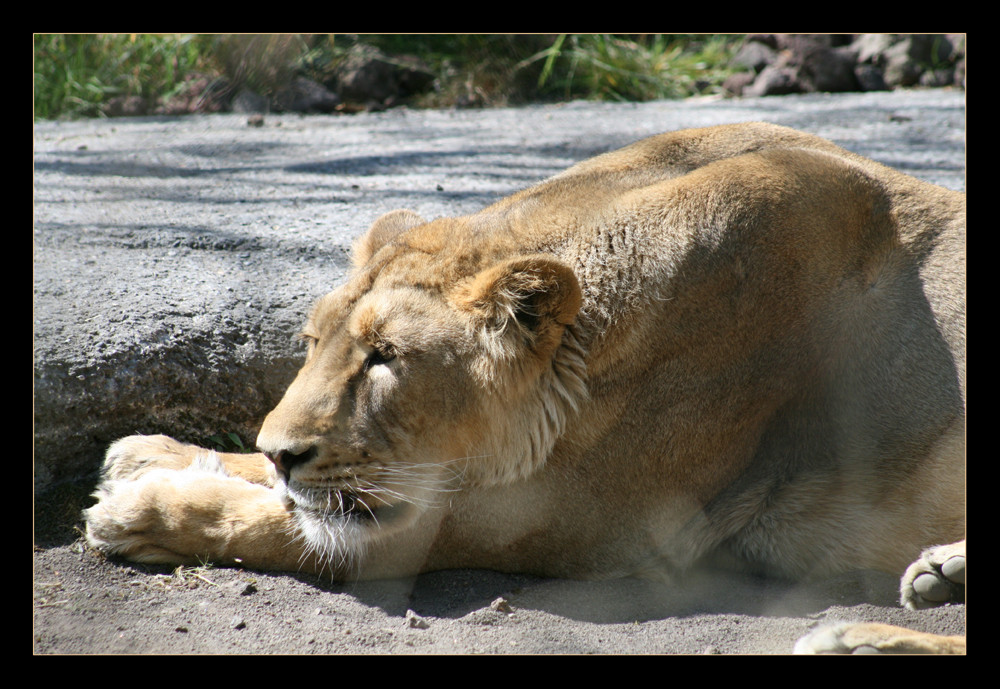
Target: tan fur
{"x": 739, "y": 344}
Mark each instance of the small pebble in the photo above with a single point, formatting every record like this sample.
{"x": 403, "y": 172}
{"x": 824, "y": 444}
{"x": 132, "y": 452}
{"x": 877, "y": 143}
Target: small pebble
{"x": 502, "y": 605}
{"x": 415, "y": 621}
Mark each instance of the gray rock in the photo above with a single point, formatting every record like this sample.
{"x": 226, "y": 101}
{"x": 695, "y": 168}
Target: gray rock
{"x": 907, "y": 60}
{"x": 248, "y": 101}
{"x": 900, "y": 67}
{"x": 834, "y": 63}
{"x": 828, "y": 69}
{"x": 937, "y": 78}
{"x": 775, "y": 80}
{"x": 869, "y": 78}
{"x": 175, "y": 259}
{"x": 735, "y": 84}
{"x": 869, "y": 47}
{"x": 125, "y": 106}
{"x": 366, "y": 75}
{"x": 306, "y": 95}
{"x": 754, "y": 55}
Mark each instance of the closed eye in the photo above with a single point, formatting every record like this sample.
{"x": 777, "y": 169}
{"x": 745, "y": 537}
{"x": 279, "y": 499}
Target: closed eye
{"x": 379, "y": 356}
{"x": 310, "y": 341}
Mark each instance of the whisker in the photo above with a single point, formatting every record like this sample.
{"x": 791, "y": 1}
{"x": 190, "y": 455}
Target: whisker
{"x": 330, "y": 521}
{"x": 380, "y": 491}
{"x": 368, "y": 509}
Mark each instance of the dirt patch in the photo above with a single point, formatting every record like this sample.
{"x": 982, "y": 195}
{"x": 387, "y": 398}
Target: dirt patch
{"x": 85, "y": 604}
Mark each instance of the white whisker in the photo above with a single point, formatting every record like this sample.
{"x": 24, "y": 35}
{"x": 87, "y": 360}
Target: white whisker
{"x": 335, "y": 523}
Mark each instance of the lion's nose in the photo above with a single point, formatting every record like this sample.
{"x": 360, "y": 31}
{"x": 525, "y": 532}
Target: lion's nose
{"x": 284, "y": 460}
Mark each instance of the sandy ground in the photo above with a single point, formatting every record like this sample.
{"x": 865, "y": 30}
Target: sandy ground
{"x": 86, "y": 604}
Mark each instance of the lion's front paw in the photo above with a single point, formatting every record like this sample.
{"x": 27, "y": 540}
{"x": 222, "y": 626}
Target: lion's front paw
{"x": 131, "y": 457}
{"x": 196, "y": 515}
{"x": 936, "y": 578}
{"x": 132, "y": 518}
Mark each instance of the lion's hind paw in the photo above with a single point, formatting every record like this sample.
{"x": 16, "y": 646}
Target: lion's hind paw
{"x": 936, "y": 578}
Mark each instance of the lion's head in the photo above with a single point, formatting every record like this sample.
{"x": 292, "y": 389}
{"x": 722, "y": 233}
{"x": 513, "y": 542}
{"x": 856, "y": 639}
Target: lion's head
{"x": 439, "y": 363}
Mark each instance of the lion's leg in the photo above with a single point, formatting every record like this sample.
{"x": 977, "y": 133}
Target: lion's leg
{"x": 194, "y": 515}
{"x": 876, "y": 638}
{"x": 131, "y": 457}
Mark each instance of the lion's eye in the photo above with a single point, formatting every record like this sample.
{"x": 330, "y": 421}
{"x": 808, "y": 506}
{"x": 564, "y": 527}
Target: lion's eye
{"x": 378, "y": 356}
{"x": 310, "y": 343}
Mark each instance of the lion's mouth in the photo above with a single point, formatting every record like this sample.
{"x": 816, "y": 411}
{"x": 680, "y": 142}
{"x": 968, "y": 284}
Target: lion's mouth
{"x": 341, "y": 504}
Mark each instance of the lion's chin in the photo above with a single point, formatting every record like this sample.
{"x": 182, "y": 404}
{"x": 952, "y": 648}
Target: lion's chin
{"x": 339, "y": 538}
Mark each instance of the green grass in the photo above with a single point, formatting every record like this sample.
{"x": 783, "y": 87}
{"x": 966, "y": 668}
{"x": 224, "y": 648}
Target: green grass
{"x": 500, "y": 69}
{"x": 640, "y": 68}
{"x": 75, "y": 75}
{"x": 227, "y": 442}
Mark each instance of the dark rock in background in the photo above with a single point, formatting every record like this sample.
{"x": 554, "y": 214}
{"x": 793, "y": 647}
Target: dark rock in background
{"x": 306, "y": 96}
{"x": 779, "y": 64}
{"x": 367, "y": 79}
{"x": 368, "y": 76}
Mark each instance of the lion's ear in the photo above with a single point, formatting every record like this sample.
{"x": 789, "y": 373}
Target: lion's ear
{"x": 536, "y": 295}
{"x": 386, "y": 228}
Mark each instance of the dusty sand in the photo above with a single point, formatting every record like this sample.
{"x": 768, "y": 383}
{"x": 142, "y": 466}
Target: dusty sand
{"x": 84, "y": 603}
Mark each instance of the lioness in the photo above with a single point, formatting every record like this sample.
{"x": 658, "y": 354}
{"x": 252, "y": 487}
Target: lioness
{"x": 740, "y": 345}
